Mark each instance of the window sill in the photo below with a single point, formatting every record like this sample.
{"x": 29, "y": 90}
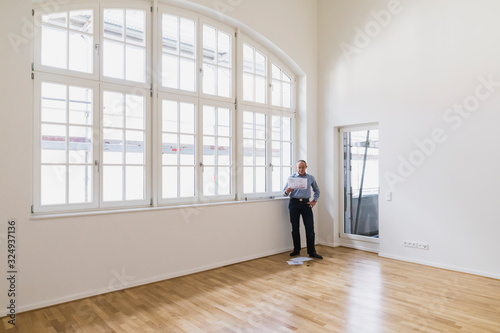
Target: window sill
{"x": 46, "y": 216}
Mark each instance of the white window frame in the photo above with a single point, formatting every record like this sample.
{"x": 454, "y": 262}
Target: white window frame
{"x": 147, "y": 151}
{"x": 293, "y": 149}
{"x": 241, "y": 193}
{"x": 169, "y": 10}
{"x": 232, "y": 33}
{"x": 186, "y": 99}
{"x": 154, "y": 93}
{"x": 243, "y": 39}
{"x": 51, "y": 78}
{"x": 39, "y": 11}
{"x": 148, "y": 43}
{"x": 293, "y": 87}
{"x": 232, "y": 195}
{"x": 270, "y": 110}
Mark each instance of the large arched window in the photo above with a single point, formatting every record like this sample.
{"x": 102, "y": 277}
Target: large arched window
{"x": 126, "y": 120}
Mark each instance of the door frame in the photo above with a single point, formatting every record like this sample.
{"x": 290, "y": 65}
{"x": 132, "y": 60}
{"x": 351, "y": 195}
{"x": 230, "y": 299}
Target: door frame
{"x": 347, "y": 240}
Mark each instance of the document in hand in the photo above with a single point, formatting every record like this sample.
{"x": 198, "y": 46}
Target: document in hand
{"x": 297, "y": 183}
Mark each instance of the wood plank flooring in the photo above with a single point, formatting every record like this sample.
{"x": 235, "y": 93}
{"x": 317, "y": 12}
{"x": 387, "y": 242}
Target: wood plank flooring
{"x": 348, "y": 291}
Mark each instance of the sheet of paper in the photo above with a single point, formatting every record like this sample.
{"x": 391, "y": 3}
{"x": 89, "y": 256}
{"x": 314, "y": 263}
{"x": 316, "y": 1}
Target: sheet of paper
{"x": 291, "y": 262}
{"x": 297, "y": 183}
{"x": 301, "y": 259}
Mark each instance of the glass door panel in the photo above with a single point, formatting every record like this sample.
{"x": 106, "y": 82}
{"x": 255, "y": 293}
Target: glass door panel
{"x": 361, "y": 182}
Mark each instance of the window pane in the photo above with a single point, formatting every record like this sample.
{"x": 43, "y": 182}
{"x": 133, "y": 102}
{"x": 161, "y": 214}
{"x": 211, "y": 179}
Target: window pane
{"x": 209, "y": 181}
{"x": 260, "y": 152}
{"x": 224, "y": 151}
{"x": 59, "y": 19}
{"x": 287, "y": 129}
{"x": 187, "y": 74}
{"x": 80, "y": 184}
{"x": 276, "y": 153}
{"x": 53, "y": 103}
{"x": 134, "y": 183}
{"x": 276, "y": 72}
{"x": 224, "y": 49}
{"x": 224, "y": 122}
{"x": 287, "y": 154}
{"x": 114, "y": 59}
{"x": 287, "y": 95}
{"x": 248, "y": 180}
{"x": 169, "y": 182}
{"x": 209, "y": 115}
{"x": 224, "y": 82}
{"x": 209, "y": 79}
{"x": 276, "y": 175}
{"x": 170, "y": 71}
{"x": 276, "y": 93}
{"x": 169, "y": 116}
{"x": 135, "y": 112}
{"x": 112, "y": 183}
{"x": 260, "y": 89}
{"x": 113, "y": 146}
{"x": 260, "y": 64}
{"x": 209, "y": 49}
{"x": 224, "y": 181}
{"x": 53, "y": 143}
{"x": 187, "y": 179}
{"x": 54, "y": 47}
{"x": 80, "y": 145}
{"x": 188, "y": 37}
{"x": 53, "y": 184}
{"x": 136, "y": 63}
{"x": 248, "y": 152}
{"x": 170, "y": 34}
{"x": 80, "y": 106}
{"x": 248, "y": 87}
{"x": 276, "y": 127}
{"x": 260, "y": 179}
{"x": 187, "y": 114}
{"x": 248, "y": 125}
{"x": 82, "y": 20}
{"x": 113, "y": 24}
{"x": 170, "y": 149}
{"x": 81, "y": 49}
{"x": 187, "y": 150}
{"x": 136, "y": 22}
{"x": 208, "y": 150}
{"x": 135, "y": 147}
{"x": 113, "y": 109}
{"x": 248, "y": 59}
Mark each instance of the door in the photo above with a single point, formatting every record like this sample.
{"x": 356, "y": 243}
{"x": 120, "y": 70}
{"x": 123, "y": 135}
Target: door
{"x": 360, "y": 166}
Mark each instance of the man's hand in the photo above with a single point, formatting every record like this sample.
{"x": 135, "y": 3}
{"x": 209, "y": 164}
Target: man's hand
{"x": 288, "y": 190}
{"x": 312, "y": 203}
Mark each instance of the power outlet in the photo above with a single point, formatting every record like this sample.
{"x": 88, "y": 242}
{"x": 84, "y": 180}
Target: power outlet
{"x": 423, "y": 246}
{"x": 409, "y": 243}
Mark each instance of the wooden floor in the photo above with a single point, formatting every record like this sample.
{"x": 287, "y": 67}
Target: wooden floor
{"x": 348, "y": 291}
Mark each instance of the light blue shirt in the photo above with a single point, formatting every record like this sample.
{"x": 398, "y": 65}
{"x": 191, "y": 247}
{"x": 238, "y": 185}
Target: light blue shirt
{"x": 304, "y": 193}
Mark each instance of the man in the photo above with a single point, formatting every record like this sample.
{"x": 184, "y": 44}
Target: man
{"x": 300, "y": 204}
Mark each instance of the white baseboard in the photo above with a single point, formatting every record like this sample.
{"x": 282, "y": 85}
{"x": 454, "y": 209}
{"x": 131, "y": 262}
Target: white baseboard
{"x": 437, "y": 265}
{"x": 328, "y": 244}
{"x": 101, "y": 291}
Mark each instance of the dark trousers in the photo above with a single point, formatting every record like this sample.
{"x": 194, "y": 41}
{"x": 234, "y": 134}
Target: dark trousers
{"x": 296, "y": 209}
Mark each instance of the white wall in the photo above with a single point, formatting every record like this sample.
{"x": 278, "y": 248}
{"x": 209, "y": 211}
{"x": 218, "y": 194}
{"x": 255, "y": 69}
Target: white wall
{"x": 60, "y": 259}
{"x": 426, "y": 57}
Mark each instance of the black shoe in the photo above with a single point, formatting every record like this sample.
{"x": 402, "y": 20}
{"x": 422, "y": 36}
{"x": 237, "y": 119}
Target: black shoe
{"x": 315, "y": 255}
{"x": 294, "y": 253}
